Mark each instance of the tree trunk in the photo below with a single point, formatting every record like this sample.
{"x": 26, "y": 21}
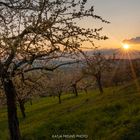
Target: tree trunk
{"x": 100, "y": 85}
{"x": 31, "y": 103}
{"x": 85, "y": 89}
{"x": 59, "y": 96}
{"x": 75, "y": 90}
{"x": 12, "y": 109}
{"x": 22, "y": 108}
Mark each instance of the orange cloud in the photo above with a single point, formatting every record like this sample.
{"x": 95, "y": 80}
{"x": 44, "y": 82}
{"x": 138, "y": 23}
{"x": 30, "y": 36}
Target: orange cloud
{"x": 132, "y": 40}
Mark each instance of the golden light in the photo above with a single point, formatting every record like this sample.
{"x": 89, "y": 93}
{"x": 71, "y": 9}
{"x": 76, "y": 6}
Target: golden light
{"x": 126, "y": 46}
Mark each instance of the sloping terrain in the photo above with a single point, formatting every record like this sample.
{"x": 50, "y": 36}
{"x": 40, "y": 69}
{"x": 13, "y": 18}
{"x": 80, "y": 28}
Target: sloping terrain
{"x": 113, "y": 115}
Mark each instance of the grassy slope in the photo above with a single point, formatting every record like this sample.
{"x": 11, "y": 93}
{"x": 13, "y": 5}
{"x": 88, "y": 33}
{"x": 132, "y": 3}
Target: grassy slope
{"x": 114, "y": 115}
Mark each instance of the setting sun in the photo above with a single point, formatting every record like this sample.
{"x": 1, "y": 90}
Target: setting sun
{"x": 126, "y": 46}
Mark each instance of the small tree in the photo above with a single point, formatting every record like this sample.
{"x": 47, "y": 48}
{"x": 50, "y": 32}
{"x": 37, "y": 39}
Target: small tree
{"x": 27, "y": 87}
{"x": 85, "y": 84}
{"x": 95, "y": 66}
{"x": 74, "y": 77}
{"x": 57, "y": 84}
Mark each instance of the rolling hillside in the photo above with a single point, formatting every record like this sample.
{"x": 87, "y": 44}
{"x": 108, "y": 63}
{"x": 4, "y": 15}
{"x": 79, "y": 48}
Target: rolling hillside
{"x": 113, "y": 115}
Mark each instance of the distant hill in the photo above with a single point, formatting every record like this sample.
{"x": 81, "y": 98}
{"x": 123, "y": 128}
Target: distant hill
{"x": 109, "y": 53}
{"x": 118, "y": 52}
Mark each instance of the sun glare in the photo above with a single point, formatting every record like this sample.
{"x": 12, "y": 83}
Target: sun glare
{"x": 126, "y": 46}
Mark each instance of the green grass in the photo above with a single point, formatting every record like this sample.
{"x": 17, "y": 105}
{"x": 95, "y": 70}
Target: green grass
{"x": 113, "y": 115}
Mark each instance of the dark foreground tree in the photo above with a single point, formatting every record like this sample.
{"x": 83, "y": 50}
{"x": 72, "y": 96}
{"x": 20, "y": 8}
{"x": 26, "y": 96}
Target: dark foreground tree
{"x": 33, "y": 33}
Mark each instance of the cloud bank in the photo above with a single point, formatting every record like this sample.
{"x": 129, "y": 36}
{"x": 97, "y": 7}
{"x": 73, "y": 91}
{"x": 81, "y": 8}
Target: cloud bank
{"x": 132, "y": 40}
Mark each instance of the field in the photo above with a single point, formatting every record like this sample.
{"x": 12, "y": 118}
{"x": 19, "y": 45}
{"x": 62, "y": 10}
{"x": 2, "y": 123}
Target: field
{"x": 113, "y": 115}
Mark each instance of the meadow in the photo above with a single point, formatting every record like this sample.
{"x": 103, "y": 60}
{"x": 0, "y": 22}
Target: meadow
{"x": 112, "y": 115}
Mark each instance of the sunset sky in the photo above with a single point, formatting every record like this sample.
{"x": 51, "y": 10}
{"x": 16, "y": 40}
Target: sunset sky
{"x": 124, "y": 16}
